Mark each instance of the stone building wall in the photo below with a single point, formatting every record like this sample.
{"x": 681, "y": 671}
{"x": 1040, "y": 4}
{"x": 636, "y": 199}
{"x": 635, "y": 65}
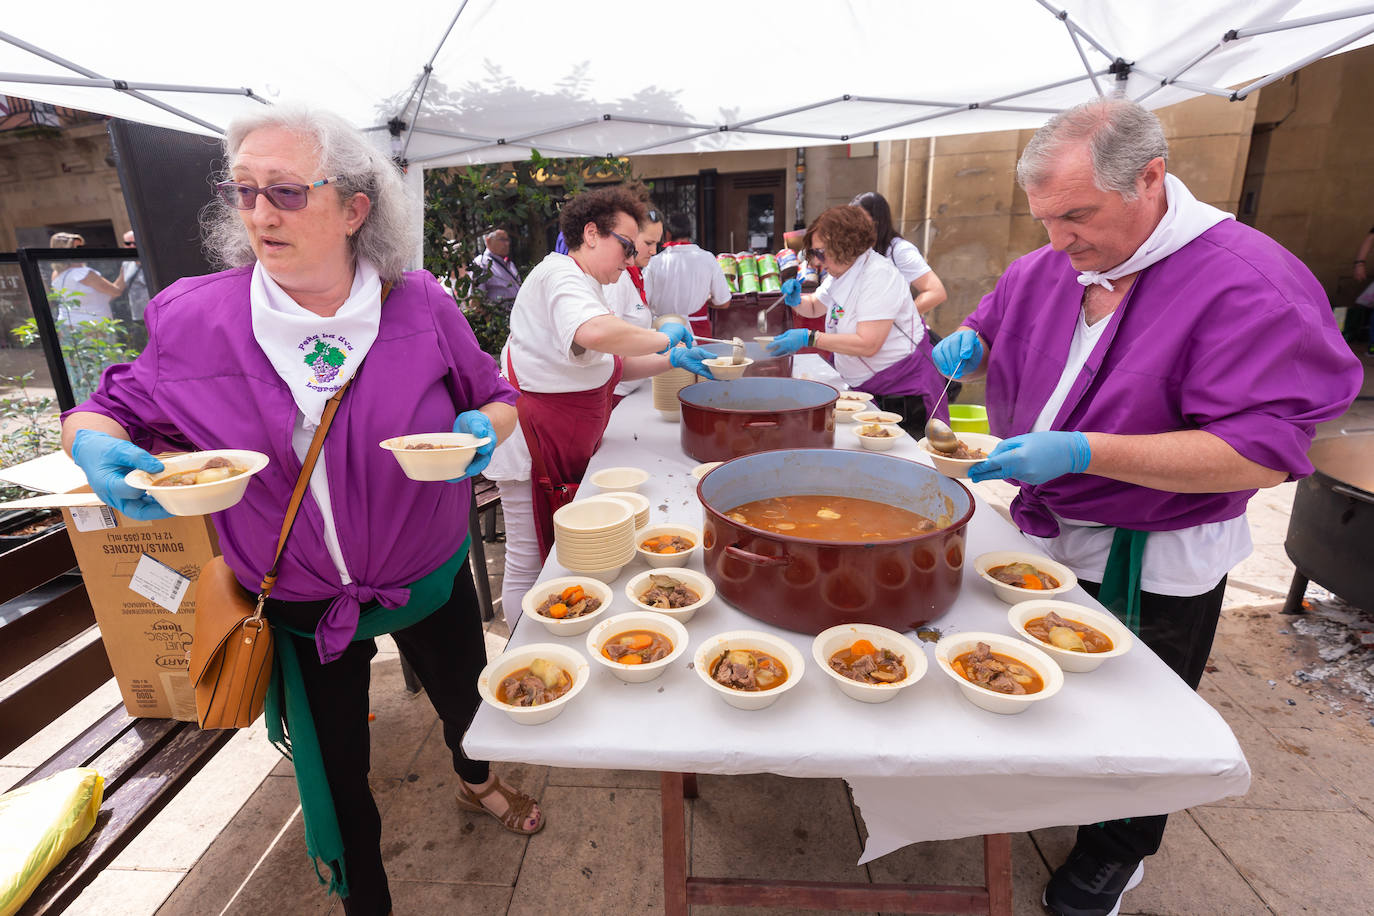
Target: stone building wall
{"x": 57, "y": 180}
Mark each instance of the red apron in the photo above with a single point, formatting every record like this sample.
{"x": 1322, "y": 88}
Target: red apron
{"x": 562, "y": 431}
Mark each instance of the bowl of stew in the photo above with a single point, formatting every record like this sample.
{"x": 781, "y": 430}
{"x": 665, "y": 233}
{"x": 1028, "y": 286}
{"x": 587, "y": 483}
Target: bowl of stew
{"x": 434, "y": 456}
{"x": 569, "y": 605}
{"x": 669, "y": 591}
{"x": 878, "y": 437}
{"x": 871, "y": 664}
{"x": 198, "y": 483}
{"x": 973, "y": 448}
{"x": 1019, "y": 576}
{"x": 1078, "y": 638}
{"x": 534, "y": 683}
{"x": 846, "y": 409}
{"x": 760, "y": 667}
{"x": 637, "y": 646}
{"x": 667, "y": 545}
{"x": 998, "y": 673}
{"x": 877, "y": 416}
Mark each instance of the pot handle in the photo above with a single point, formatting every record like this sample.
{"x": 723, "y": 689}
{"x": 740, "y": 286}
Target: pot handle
{"x": 761, "y": 424}
{"x": 1342, "y": 490}
{"x": 754, "y": 559}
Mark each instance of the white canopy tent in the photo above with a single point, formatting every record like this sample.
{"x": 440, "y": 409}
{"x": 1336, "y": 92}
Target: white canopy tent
{"x": 485, "y": 80}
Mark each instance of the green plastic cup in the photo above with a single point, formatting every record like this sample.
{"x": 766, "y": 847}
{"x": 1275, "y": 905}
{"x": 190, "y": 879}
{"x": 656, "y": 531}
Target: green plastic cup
{"x": 968, "y": 418}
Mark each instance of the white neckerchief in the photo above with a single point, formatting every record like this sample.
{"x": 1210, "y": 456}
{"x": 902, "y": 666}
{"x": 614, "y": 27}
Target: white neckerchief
{"x": 314, "y": 355}
{"x": 1186, "y": 219}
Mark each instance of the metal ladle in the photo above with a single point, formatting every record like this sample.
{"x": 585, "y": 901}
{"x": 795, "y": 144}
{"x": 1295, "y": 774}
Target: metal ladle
{"x": 736, "y": 354}
{"x": 763, "y": 316}
{"x": 938, "y": 433}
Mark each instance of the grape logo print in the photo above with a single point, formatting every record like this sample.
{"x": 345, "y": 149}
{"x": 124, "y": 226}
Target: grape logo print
{"x": 326, "y": 358}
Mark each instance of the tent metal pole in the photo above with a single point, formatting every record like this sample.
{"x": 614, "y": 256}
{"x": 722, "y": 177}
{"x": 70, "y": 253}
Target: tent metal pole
{"x": 571, "y": 125}
{"x": 122, "y": 84}
{"x": 921, "y": 102}
{"x": 84, "y": 71}
{"x": 1035, "y": 89}
{"x": 929, "y": 117}
{"x": 791, "y": 111}
{"x": 1314, "y": 56}
{"x": 451, "y": 134}
{"x": 1251, "y": 31}
{"x": 1063, "y": 15}
{"x": 429, "y": 65}
{"x": 1205, "y": 90}
{"x": 410, "y": 131}
{"x": 669, "y": 142}
{"x": 655, "y": 121}
{"x": 789, "y": 133}
{"x": 1078, "y": 46}
{"x": 1026, "y": 108}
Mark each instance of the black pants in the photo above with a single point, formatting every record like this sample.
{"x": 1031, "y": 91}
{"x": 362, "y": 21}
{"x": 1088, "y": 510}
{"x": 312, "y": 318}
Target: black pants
{"x": 912, "y": 407}
{"x": 447, "y": 650}
{"x": 1180, "y": 632}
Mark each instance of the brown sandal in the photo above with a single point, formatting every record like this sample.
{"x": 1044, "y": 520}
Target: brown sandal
{"x": 518, "y": 806}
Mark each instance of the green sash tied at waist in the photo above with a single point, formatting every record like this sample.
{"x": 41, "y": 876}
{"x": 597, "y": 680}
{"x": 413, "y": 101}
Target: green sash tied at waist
{"x": 291, "y": 725}
{"x": 1120, "y": 591}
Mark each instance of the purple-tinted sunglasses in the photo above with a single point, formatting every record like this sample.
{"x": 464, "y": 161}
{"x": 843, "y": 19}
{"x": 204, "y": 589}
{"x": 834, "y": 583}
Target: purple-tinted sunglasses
{"x": 285, "y": 196}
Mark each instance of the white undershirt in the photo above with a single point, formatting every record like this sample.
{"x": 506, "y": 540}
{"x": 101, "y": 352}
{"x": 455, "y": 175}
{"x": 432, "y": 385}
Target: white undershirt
{"x": 1182, "y": 563}
{"x": 319, "y": 488}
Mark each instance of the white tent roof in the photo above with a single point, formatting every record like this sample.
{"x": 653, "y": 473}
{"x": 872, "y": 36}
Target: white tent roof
{"x": 484, "y": 80}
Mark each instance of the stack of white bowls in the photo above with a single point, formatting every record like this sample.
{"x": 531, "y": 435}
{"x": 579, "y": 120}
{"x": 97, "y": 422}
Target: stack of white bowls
{"x": 666, "y": 385}
{"x": 595, "y": 536}
{"x": 638, "y": 501}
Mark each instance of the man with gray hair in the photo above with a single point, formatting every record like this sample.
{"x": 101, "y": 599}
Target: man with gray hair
{"x": 1149, "y": 370}
{"x": 501, "y": 283}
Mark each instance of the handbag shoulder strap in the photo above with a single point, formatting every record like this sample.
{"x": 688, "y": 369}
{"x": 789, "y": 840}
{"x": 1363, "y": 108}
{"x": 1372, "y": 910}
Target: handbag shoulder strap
{"x": 331, "y": 407}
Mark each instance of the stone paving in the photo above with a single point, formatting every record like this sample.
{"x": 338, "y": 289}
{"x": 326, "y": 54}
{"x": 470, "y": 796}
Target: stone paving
{"x": 1301, "y": 840}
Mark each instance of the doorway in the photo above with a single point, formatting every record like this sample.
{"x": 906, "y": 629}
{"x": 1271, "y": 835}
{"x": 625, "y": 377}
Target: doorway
{"x": 749, "y": 206}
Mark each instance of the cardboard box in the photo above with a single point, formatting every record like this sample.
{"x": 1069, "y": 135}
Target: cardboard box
{"x": 147, "y": 644}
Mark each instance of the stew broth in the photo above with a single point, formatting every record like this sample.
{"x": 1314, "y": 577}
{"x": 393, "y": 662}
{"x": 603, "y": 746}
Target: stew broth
{"x": 834, "y": 518}
{"x": 637, "y": 647}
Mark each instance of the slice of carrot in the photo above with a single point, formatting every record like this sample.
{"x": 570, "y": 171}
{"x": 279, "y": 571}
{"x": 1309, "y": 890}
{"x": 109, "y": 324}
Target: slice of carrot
{"x": 631, "y": 659}
{"x": 1030, "y": 580}
{"x": 862, "y": 647}
{"x": 641, "y": 641}
{"x": 558, "y": 611}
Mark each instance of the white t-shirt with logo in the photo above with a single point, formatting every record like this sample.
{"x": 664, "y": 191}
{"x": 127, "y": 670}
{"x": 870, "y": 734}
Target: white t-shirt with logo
{"x": 872, "y": 289}
{"x": 623, "y": 298}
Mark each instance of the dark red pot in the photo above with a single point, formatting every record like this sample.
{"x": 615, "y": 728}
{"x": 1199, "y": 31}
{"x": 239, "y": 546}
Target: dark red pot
{"x": 723, "y": 420}
{"x": 808, "y": 586}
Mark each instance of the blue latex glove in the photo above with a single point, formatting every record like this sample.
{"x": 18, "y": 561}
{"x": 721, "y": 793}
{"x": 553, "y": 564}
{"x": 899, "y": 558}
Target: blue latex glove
{"x": 106, "y": 460}
{"x": 957, "y": 354}
{"x": 1035, "y": 457}
{"x": 789, "y": 342}
{"x": 677, "y": 334}
{"x": 691, "y": 359}
{"x": 791, "y": 293}
{"x": 479, "y": 425}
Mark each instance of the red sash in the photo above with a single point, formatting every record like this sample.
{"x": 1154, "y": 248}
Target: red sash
{"x": 562, "y": 431}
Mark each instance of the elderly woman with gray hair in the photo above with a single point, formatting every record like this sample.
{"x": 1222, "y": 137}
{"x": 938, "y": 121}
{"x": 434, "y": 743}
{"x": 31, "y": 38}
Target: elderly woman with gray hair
{"x": 314, "y": 226}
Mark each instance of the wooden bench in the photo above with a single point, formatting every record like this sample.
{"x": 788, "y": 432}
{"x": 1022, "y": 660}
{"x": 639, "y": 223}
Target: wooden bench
{"x": 51, "y": 657}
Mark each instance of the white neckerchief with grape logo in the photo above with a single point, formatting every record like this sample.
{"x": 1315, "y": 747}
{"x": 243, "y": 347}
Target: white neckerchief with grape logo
{"x": 315, "y": 356}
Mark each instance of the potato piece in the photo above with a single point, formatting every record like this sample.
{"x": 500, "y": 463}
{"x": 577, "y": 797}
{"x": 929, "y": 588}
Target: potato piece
{"x": 1067, "y": 639}
{"x": 740, "y": 657}
{"x": 546, "y": 671}
{"x": 827, "y": 513}
{"x": 210, "y": 475}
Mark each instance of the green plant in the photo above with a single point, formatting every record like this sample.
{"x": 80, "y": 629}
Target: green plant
{"x": 461, "y": 204}
{"x": 28, "y": 428}
{"x": 88, "y": 347}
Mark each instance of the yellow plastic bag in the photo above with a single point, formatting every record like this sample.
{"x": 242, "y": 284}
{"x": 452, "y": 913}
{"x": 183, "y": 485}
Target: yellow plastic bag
{"x": 39, "y": 824}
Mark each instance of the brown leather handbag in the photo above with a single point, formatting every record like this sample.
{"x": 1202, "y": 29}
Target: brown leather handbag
{"x": 231, "y": 655}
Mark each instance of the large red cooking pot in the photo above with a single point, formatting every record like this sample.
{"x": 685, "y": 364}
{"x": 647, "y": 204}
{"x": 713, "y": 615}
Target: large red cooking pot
{"x": 807, "y": 585}
{"x": 765, "y": 365}
{"x": 723, "y": 420}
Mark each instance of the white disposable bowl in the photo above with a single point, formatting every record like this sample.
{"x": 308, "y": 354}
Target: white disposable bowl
{"x": 569, "y": 659}
{"x": 877, "y": 416}
{"x": 881, "y": 443}
{"x": 637, "y": 620}
{"x": 605, "y": 559}
{"x": 724, "y": 369}
{"x": 1012, "y": 594}
{"x": 697, "y": 582}
{"x": 958, "y": 467}
{"x": 609, "y": 574}
{"x": 854, "y": 395}
{"x": 638, "y": 501}
{"x": 1122, "y": 638}
{"x": 845, "y": 410}
{"x": 593, "y": 516}
{"x": 659, "y": 560}
{"x": 956, "y": 644}
{"x": 630, "y": 479}
{"x": 702, "y": 470}
{"x": 429, "y": 464}
{"x": 830, "y": 641}
{"x": 566, "y": 627}
{"x": 200, "y": 498}
{"x": 779, "y": 648}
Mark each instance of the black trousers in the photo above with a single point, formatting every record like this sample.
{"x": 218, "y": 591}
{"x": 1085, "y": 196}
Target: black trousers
{"x": 447, "y": 650}
{"x": 1180, "y": 631}
{"x": 912, "y": 407}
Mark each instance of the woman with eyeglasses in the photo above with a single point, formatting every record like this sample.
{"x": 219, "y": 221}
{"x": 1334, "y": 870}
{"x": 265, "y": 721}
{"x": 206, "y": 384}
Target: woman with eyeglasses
{"x": 84, "y": 295}
{"x": 566, "y": 352}
{"x": 871, "y": 322}
{"x": 626, "y": 295}
{"x": 315, "y": 226}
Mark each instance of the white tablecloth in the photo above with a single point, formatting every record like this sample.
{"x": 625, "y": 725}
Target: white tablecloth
{"x": 1129, "y": 739}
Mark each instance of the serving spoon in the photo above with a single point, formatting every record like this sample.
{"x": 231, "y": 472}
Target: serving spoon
{"x": 938, "y": 433}
{"x": 736, "y": 355}
{"x": 763, "y": 315}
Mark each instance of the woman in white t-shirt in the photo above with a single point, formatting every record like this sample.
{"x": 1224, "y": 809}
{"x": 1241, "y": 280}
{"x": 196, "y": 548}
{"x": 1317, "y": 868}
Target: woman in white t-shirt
{"x": 626, "y": 296}
{"x": 565, "y": 353}
{"x": 871, "y": 322}
{"x": 88, "y": 294}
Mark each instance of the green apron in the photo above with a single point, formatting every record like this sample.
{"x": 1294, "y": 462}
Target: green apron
{"x": 291, "y": 725}
{"x": 1120, "y": 591}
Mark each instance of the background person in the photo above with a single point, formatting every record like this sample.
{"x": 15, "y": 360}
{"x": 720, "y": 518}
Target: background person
{"x": 871, "y": 323}
{"x": 88, "y": 293}
{"x": 136, "y": 287}
{"x": 685, "y": 280}
{"x": 311, "y": 242}
{"x": 1150, "y": 368}
{"x": 566, "y": 351}
{"x": 502, "y": 283}
{"x": 626, "y": 295}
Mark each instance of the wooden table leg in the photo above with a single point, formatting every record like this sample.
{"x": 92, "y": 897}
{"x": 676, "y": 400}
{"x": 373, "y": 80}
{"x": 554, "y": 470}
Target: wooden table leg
{"x": 689, "y": 785}
{"x": 674, "y": 843}
{"x": 997, "y": 873}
